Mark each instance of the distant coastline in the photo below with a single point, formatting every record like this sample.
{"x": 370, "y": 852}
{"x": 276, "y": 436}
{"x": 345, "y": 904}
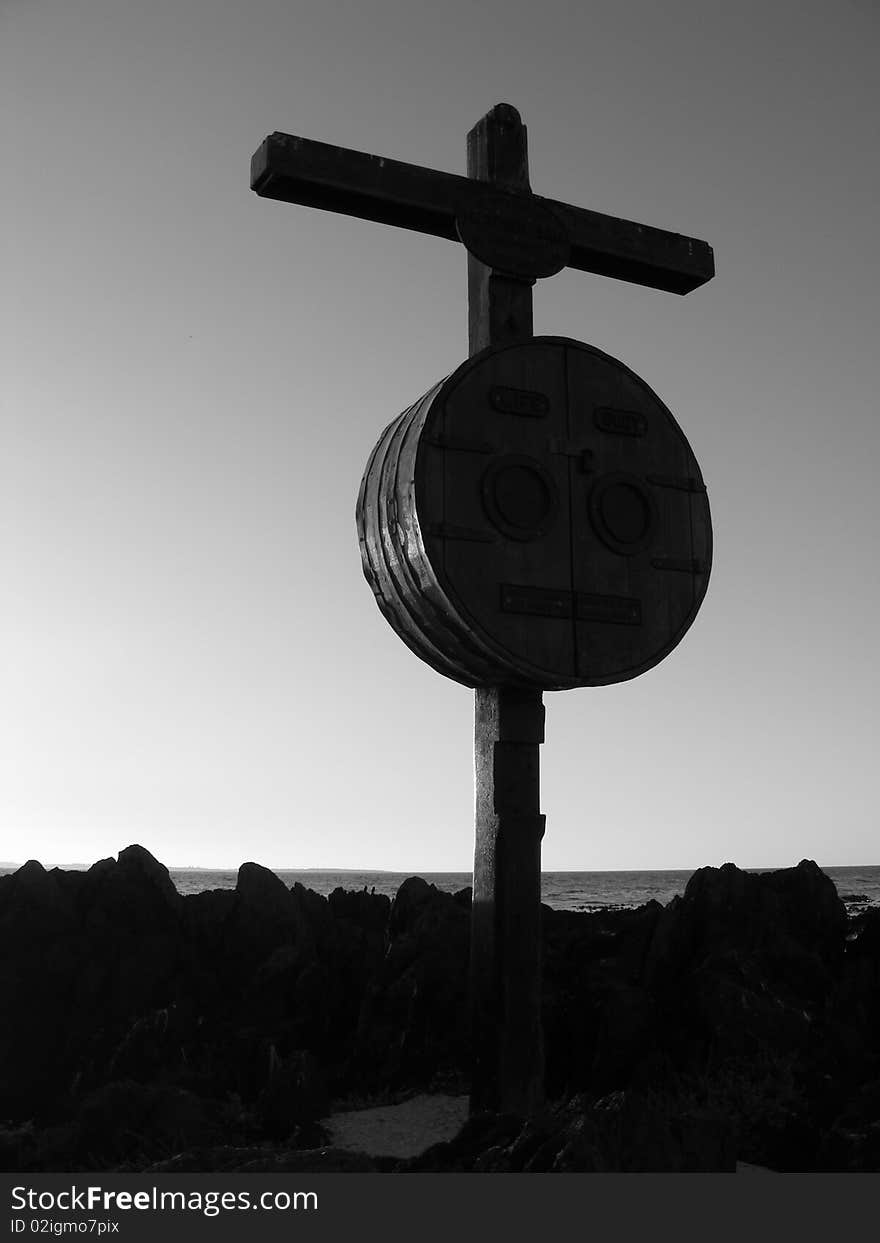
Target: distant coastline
{"x": 12, "y": 865}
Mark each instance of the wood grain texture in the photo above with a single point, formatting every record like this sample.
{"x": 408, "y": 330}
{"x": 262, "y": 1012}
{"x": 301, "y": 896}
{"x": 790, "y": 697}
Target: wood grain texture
{"x": 521, "y": 505}
{"x": 496, "y": 521}
{"x": 505, "y": 966}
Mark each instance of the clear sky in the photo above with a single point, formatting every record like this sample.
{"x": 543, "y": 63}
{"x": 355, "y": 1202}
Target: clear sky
{"x": 194, "y": 377}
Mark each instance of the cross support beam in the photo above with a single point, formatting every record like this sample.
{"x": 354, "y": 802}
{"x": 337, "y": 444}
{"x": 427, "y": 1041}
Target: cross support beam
{"x": 316, "y": 174}
{"x": 507, "y": 1073}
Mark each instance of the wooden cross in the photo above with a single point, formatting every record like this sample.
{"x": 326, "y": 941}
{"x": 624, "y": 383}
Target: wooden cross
{"x": 513, "y": 237}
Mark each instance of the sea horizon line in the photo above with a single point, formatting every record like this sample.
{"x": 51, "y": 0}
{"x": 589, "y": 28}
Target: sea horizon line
{"x": 433, "y": 871}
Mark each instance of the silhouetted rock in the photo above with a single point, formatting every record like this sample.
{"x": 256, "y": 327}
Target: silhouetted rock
{"x": 81, "y": 959}
{"x": 264, "y": 916}
{"x": 142, "y": 869}
{"x": 619, "y": 1133}
{"x": 313, "y": 912}
{"x": 483, "y": 1137}
{"x": 414, "y": 1022}
{"x": 788, "y": 920}
{"x": 368, "y": 910}
{"x": 410, "y": 902}
{"x": 744, "y": 1014}
{"x": 860, "y": 983}
{"x": 592, "y": 985}
{"x": 38, "y": 965}
{"x": 120, "y": 1122}
{"x": 34, "y": 905}
{"x": 262, "y": 892}
{"x": 263, "y": 1160}
{"x": 294, "y": 1095}
{"x": 749, "y": 959}
{"x": 125, "y": 1120}
{"x": 627, "y": 1036}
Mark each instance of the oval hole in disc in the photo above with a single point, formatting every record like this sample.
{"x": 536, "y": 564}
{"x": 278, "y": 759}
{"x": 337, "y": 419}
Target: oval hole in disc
{"x": 522, "y": 497}
{"x": 625, "y": 513}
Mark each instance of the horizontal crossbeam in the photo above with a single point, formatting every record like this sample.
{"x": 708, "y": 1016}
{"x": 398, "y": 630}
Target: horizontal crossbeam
{"x": 316, "y": 174}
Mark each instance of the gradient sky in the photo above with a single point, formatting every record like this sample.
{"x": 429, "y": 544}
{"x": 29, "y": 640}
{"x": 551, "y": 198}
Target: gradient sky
{"x": 194, "y": 378}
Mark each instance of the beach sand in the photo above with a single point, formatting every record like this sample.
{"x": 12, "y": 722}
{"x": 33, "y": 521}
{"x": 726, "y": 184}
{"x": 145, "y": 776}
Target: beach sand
{"x": 404, "y": 1130}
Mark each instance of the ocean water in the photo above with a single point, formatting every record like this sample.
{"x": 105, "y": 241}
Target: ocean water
{"x": 859, "y": 887}
{"x": 564, "y": 891}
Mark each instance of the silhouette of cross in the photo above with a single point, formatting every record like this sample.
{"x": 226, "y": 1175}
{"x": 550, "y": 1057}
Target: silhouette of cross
{"x": 513, "y": 237}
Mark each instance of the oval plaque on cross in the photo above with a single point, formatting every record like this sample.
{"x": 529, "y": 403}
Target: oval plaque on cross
{"x": 537, "y": 519}
{"x": 516, "y": 234}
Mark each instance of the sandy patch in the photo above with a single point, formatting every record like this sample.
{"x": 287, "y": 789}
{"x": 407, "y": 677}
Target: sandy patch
{"x": 404, "y": 1130}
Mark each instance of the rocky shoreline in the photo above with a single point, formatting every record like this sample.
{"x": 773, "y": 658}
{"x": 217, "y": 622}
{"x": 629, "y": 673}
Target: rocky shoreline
{"x": 145, "y": 1030}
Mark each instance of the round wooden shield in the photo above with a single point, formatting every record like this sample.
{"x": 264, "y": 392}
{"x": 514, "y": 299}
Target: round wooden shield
{"x": 537, "y": 519}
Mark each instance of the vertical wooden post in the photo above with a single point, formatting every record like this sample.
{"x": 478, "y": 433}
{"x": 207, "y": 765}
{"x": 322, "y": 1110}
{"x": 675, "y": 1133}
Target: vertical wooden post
{"x": 499, "y": 307}
{"x": 505, "y": 978}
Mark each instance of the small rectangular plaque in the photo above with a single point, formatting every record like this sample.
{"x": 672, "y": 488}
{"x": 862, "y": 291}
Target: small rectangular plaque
{"x": 684, "y": 483}
{"x": 538, "y": 601}
{"x": 549, "y": 602}
{"x": 620, "y": 422}
{"x": 684, "y": 565}
{"x": 616, "y": 610}
{"x": 519, "y": 401}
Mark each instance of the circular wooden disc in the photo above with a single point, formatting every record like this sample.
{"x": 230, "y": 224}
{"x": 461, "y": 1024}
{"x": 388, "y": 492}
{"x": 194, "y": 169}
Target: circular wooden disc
{"x": 517, "y": 234}
{"x": 561, "y": 513}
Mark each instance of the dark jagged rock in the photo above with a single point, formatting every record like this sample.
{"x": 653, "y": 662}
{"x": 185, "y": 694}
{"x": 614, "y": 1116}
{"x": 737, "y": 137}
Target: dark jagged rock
{"x": 262, "y": 1160}
{"x": 142, "y": 869}
{"x": 367, "y": 910}
{"x": 743, "y": 1014}
{"x": 410, "y": 902}
{"x": 749, "y": 958}
{"x": 261, "y": 891}
{"x": 294, "y": 1095}
{"x": 133, "y": 895}
{"x": 620, "y": 1133}
{"x": 858, "y": 1000}
{"x": 482, "y": 1135}
{"x": 784, "y": 921}
{"x": 593, "y": 968}
{"x": 81, "y": 958}
{"x": 313, "y": 913}
{"x": 121, "y": 1121}
{"x": 860, "y": 984}
{"x": 263, "y": 917}
{"x": 626, "y": 1038}
{"x": 414, "y": 1022}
